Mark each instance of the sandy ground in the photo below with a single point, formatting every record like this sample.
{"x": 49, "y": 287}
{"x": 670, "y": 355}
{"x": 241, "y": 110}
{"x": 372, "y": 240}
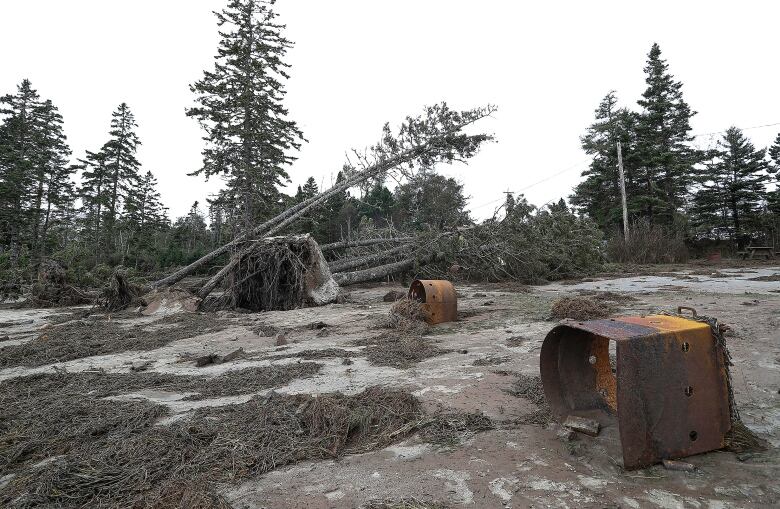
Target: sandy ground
{"x": 514, "y": 465}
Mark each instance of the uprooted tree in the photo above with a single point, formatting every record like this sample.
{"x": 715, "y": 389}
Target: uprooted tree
{"x": 436, "y": 136}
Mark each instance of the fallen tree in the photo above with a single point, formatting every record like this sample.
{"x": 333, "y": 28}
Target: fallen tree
{"x": 282, "y": 273}
{"x": 344, "y": 244}
{"x": 374, "y": 273}
{"x": 421, "y": 142}
{"x": 344, "y": 265}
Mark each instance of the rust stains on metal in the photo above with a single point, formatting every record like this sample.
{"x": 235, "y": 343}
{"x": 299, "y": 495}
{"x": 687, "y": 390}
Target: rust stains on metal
{"x": 669, "y": 395}
{"x": 440, "y": 302}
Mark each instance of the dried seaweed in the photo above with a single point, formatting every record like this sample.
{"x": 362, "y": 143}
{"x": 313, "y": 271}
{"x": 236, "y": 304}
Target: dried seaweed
{"x": 406, "y": 503}
{"x": 449, "y": 429}
{"x": 85, "y": 338}
{"x": 531, "y": 389}
{"x": 113, "y": 454}
{"x": 407, "y": 315}
{"x": 580, "y": 308}
{"x": 492, "y": 360}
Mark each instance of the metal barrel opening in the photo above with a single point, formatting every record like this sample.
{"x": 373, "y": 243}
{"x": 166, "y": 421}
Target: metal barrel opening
{"x": 438, "y": 297}
{"x": 666, "y": 388}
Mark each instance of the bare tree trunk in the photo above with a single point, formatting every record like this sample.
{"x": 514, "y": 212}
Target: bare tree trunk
{"x": 363, "y": 242}
{"x": 352, "y": 263}
{"x": 374, "y": 273}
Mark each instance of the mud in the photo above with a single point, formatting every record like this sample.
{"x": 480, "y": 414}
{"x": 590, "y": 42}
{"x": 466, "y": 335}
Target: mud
{"x": 519, "y": 461}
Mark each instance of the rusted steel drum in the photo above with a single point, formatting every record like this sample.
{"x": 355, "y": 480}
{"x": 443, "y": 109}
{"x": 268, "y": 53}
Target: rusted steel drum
{"x": 667, "y": 389}
{"x": 438, "y": 297}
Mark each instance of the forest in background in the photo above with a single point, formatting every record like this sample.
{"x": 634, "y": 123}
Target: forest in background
{"x": 101, "y": 209}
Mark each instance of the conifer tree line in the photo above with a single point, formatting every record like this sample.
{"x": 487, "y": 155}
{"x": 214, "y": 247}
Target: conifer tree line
{"x": 102, "y": 208}
{"x": 724, "y": 192}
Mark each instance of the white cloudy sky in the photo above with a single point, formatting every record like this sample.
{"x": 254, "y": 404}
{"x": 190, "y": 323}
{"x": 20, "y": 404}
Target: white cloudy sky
{"x": 359, "y": 63}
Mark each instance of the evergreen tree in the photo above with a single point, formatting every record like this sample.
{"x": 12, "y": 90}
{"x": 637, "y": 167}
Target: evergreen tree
{"x": 773, "y": 198}
{"x": 53, "y": 188}
{"x": 18, "y": 157}
{"x": 35, "y": 178}
{"x": 430, "y": 200}
{"x": 774, "y": 155}
{"x": 377, "y": 205}
{"x": 146, "y": 216}
{"x": 732, "y": 187}
{"x": 121, "y": 165}
{"x": 666, "y": 159}
{"x": 95, "y": 197}
{"x": 599, "y": 194}
{"x": 248, "y": 135}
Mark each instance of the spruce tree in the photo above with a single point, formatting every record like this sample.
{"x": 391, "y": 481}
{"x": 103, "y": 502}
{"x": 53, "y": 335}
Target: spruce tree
{"x": 667, "y": 161}
{"x": 773, "y": 198}
{"x": 53, "y": 188}
{"x": 249, "y": 138}
{"x": 121, "y": 165}
{"x": 18, "y": 157}
{"x": 732, "y": 188}
{"x": 35, "y": 177}
{"x": 95, "y": 197}
{"x": 145, "y": 217}
{"x": 774, "y": 155}
{"x": 599, "y": 194}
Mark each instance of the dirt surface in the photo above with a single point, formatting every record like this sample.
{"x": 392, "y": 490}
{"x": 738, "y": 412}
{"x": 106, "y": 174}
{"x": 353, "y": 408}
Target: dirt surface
{"x": 498, "y": 450}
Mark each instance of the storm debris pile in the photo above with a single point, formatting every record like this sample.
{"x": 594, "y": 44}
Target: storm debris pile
{"x": 400, "y": 350}
{"x": 406, "y": 503}
{"x": 52, "y": 289}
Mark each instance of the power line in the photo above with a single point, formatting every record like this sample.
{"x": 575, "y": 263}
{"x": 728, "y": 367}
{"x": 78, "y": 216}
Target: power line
{"x": 550, "y": 177}
{"x": 577, "y": 164}
{"x": 740, "y": 128}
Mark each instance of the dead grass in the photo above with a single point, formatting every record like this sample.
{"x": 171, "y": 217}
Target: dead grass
{"x": 516, "y": 341}
{"x": 113, "y": 454}
{"x": 85, "y": 338}
{"x": 580, "y": 308}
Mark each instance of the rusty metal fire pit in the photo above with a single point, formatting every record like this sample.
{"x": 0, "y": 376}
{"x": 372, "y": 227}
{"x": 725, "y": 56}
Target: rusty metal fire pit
{"x": 438, "y": 298}
{"x": 667, "y": 390}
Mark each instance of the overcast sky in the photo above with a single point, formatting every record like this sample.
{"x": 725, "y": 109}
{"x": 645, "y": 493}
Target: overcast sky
{"x": 359, "y": 63}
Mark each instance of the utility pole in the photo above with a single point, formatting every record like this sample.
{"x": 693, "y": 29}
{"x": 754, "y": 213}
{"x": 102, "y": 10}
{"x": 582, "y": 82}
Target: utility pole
{"x": 622, "y": 189}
